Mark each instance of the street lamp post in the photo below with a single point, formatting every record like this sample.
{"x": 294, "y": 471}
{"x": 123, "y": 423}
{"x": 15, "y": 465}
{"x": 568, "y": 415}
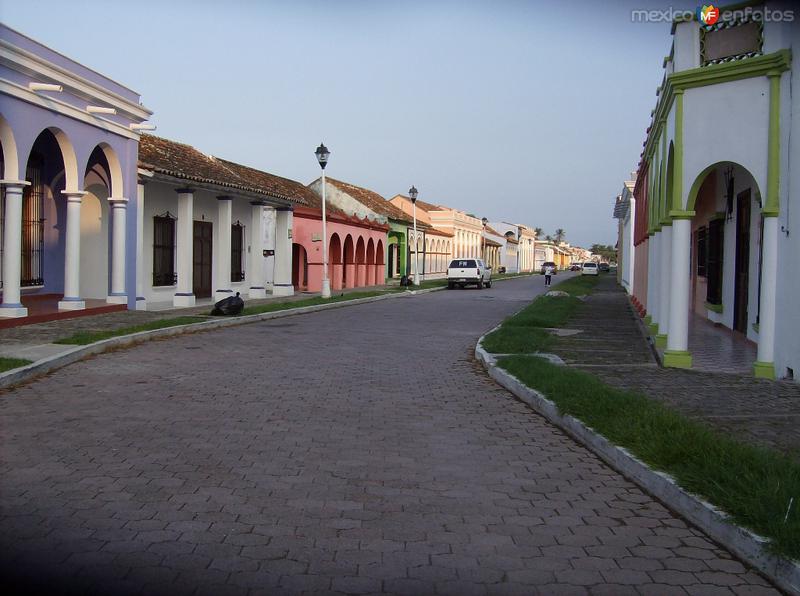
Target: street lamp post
{"x": 322, "y": 154}
{"x": 413, "y": 192}
{"x": 484, "y": 221}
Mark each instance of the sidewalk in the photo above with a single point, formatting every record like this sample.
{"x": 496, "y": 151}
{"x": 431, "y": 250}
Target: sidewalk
{"x": 612, "y": 346}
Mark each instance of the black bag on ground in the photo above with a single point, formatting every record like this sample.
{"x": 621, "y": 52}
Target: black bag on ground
{"x": 232, "y": 305}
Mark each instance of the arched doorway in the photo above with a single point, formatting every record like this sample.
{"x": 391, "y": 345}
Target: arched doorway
{"x": 335, "y": 268}
{"x": 349, "y": 270}
{"x": 299, "y": 266}
{"x": 380, "y": 264}
{"x": 95, "y": 229}
{"x": 370, "y": 263}
{"x": 361, "y": 273}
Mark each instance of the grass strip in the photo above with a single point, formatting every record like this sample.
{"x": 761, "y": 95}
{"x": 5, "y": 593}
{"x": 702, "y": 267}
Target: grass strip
{"x": 754, "y": 485}
{"x": 276, "y": 306}
{"x": 83, "y": 338}
{"x": 11, "y": 363}
{"x": 522, "y": 333}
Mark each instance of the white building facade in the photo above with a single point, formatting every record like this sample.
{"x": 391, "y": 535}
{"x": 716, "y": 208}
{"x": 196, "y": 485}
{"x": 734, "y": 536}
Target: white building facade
{"x": 721, "y": 188}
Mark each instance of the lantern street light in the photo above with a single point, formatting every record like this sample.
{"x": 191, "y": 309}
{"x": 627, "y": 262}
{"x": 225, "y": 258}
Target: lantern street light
{"x": 413, "y": 192}
{"x": 484, "y": 221}
{"x": 322, "y": 154}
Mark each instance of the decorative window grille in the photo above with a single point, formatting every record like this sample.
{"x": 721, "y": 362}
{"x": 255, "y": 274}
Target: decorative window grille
{"x": 715, "y": 241}
{"x": 702, "y": 251}
{"x": 739, "y": 37}
{"x": 237, "y": 252}
{"x": 32, "y": 270}
{"x": 164, "y": 250}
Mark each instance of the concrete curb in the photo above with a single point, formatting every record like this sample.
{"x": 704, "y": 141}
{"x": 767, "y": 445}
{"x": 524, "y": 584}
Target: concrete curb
{"x": 747, "y": 545}
{"x": 70, "y": 355}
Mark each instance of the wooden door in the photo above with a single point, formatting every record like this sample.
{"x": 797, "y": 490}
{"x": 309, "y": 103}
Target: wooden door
{"x": 742, "y": 267}
{"x": 202, "y": 255}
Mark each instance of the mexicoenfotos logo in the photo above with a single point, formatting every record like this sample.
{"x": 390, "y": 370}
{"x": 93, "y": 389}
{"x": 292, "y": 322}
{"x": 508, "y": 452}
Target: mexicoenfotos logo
{"x": 708, "y": 14}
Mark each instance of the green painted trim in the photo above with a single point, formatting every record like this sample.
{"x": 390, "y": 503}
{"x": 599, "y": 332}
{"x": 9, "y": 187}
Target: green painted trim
{"x": 772, "y": 204}
{"x": 717, "y": 215}
{"x": 666, "y": 221}
{"x": 676, "y": 200}
{"x": 661, "y": 340}
{"x": 657, "y": 228}
{"x": 682, "y": 214}
{"x": 662, "y": 176}
{"x": 717, "y": 308}
{"x": 647, "y": 320}
{"x": 756, "y": 327}
{"x": 713, "y": 74}
{"x": 764, "y": 370}
{"x": 677, "y": 359}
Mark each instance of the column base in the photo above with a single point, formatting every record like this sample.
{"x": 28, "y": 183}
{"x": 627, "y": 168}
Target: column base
{"x": 141, "y": 303}
{"x": 71, "y": 304}
{"x": 257, "y": 293}
{"x": 661, "y": 340}
{"x": 677, "y": 359}
{"x": 222, "y": 294}
{"x": 13, "y": 311}
{"x": 764, "y": 370}
{"x": 183, "y": 300}
{"x": 282, "y": 290}
{"x": 117, "y": 299}
{"x": 326, "y": 288}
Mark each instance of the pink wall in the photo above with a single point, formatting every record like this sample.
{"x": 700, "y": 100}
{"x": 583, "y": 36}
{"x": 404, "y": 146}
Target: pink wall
{"x": 366, "y": 266}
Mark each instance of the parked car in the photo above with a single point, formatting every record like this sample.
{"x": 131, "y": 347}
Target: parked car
{"x": 604, "y": 267}
{"x": 590, "y": 268}
{"x": 575, "y": 267}
{"x": 549, "y": 264}
{"x": 462, "y": 272}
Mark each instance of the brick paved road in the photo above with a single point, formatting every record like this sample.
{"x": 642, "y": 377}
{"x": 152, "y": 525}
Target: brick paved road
{"x": 359, "y": 450}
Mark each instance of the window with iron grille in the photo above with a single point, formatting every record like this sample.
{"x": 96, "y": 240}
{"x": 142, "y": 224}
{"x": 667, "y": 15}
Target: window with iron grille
{"x": 237, "y": 252}
{"x": 715, "y": 241}
{"x": 164, "y": 250}
{"x": 32, "y": 270}
{"x": 702, "y": 252}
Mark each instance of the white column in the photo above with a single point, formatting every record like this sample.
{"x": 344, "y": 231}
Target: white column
{"x": 282, "y": 278}
{"x": 765, "y": 364}
{"x": 141, "y": 303}
{"x": 222, "y": 255}
{"x": 184, "y": 296}
{"x": 677, "y": 353}
{"x": 72, "y": 253}
{"x": 653, "y": 277}
{"x": 12, "y": 250}
{"x": 665, "y": 270}
{"x": 255, "y": 272}
{"x": 119, "y": 209}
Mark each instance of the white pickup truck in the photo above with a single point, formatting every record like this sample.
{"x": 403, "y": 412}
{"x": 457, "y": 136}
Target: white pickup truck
{"x": 468, "y": 271}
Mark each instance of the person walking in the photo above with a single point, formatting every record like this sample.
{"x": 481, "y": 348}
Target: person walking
{"x": 548, "y": 274}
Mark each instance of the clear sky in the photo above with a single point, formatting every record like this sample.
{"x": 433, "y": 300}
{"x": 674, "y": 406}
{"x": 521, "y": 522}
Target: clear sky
{"x": 531, "y": 112}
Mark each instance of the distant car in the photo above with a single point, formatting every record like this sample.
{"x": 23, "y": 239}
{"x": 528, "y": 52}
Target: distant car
{"x": 590, "y": 269}
{"x": 604, "y": 267}
{"x": 575, "y": 267}
{"x": 547, "y": 264}
{"x": 462, "y": 272}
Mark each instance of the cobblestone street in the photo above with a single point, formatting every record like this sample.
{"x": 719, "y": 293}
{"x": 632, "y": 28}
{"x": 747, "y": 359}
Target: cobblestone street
{"x": 358, "y": 450}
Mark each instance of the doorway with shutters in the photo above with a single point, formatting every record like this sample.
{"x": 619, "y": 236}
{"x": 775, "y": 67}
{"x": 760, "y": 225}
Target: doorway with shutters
{"x": 202, "y": 258}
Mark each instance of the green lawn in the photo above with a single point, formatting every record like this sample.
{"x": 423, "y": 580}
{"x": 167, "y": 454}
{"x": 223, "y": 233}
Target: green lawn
{"x": 11, "y": 363}
{"x": 522, "y": 333}
{"x": 83, "y": 338}
{"x": 754, "y": 485}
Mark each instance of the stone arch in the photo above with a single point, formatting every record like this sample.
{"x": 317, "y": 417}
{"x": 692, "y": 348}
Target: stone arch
{"x": 335, "y": 267}
{"x": 380, "y": 264}
{"x": 349, "y": 269}
{"x": 370, "y": 263}
{"x": 8, "y": 144}
{"x": 361, "y": 273}
{"x": 670, "y": 182}
{"x": 70, "y": 161}
{"x": 115, "y": 180}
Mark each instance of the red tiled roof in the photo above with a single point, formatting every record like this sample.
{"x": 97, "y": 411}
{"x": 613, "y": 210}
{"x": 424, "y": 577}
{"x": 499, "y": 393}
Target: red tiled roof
{"x": 371, "y": 200}
{"x": 184, "y": 162}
